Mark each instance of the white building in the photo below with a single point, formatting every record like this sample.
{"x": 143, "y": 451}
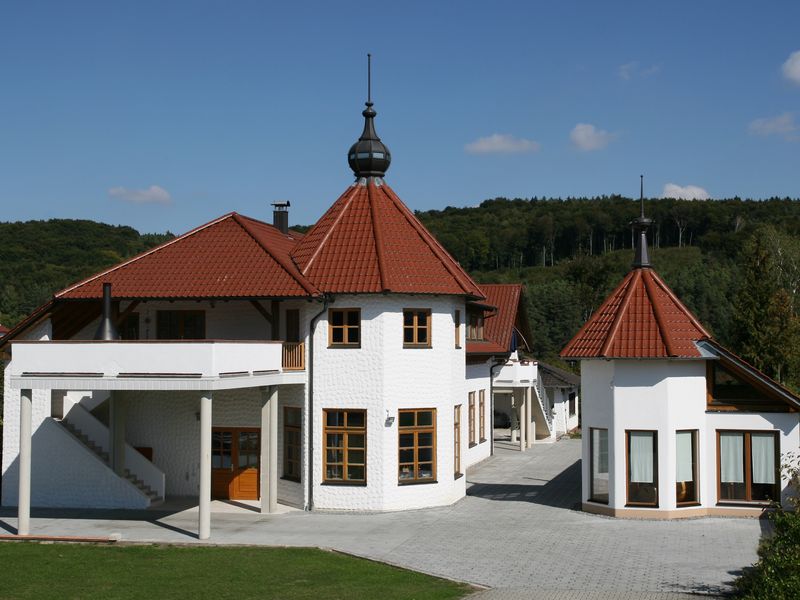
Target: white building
{"x": 243, "y": 360}
{"x": 674, "y": 425}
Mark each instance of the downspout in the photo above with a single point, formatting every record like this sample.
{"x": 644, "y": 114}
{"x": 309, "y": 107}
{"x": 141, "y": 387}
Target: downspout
{"x": 310, "y": 504}
{"x": 498, "y": 363}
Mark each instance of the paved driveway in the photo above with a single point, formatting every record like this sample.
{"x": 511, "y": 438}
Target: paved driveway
{"x": 518, "y": 531}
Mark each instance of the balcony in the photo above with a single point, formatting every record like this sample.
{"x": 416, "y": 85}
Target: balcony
{"x": 516, "y": 373}
{"x": 155, "y": 365}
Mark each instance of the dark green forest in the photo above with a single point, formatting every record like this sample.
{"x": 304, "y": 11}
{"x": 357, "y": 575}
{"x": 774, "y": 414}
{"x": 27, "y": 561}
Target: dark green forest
{"x": 734, "y": 262}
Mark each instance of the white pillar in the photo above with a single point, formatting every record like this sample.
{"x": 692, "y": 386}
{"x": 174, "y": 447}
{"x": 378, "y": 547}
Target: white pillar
{"x": 204, "y": 527}
{"x": 24, "y": 500}
{"x": 116, "y": 430}
{"x": 268, "y": 472}
{"x": 523, "y": 418}
{"x": 529, "y": 417}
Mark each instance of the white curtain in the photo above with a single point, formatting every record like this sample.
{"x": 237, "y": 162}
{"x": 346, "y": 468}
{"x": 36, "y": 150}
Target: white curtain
{"x": 641, "y": 456}
{"x": 685, "y": 468}
{"x": 731, "y": 450}
{"x": 763, "y": 449}
{"x": 600, "y": 450}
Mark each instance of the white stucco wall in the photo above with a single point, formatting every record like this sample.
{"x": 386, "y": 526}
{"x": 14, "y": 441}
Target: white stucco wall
{"x": 382, "y": 377}
{"x": 664, "y": 396}
{"x": 477, "y": 380}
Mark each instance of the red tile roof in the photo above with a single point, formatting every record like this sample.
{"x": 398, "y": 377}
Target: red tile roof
{"x": 370, "y": 242}
{"x": 642, "y": 318}
{"x": 231, "y": 257}
{"x": 4, "y": 330}
{"x": 498, "y": 329}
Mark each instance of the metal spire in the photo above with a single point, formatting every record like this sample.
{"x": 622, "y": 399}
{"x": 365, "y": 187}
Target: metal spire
{"x": 640, "y": 226}
{"x": 369, "y": 78}
{"x": 641, "y": 193}
{"x": 369, "y": 157}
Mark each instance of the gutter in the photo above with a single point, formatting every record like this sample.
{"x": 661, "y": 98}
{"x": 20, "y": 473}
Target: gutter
{"x": 310, "y": 503}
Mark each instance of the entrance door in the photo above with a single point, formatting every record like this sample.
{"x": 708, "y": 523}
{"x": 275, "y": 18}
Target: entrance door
{"x": 235, "y": 456}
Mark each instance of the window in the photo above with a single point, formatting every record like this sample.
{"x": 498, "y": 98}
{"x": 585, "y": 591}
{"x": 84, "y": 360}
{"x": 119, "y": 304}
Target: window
{"x": 642, "y": 458}
{"x": 291, "y": 443}
{"x": 457, "y": 320}
{"x": 344, "y": 327}
{"x": 748, "y": 466}
{"x": 181, "y": 325}
{"x": 345, "y": 438}
{"x": 482, "y": 414}
{"x": 572, "y": 403}
{"x": 599, "y": 463}
{"x": 417, "y": 446}
{"x": 475, "y": 326}
{"x": 292, "y": 325}
{"x": 129, "y": 328}
{"x": 416, "y": 328}
{"x": 471, "y": 419}
{"x": 457, "y": 441}
{"x": 686, "y": 467}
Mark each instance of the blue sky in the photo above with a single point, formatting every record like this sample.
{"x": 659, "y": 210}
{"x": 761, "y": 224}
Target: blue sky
{"x": 163, "y": 115}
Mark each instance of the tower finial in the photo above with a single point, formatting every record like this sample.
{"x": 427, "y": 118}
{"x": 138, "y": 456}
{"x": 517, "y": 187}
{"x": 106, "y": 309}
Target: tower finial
{"x": 640, "y": 226}
{"x": 369, "y": 157}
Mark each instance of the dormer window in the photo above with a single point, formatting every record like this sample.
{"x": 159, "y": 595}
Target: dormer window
{"x": 475, "y": 327}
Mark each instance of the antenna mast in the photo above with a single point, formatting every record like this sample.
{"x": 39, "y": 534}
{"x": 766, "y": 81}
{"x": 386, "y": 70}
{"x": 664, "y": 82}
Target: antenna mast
{"x": 369, "y": 77}
{"x": 641, "y": 193}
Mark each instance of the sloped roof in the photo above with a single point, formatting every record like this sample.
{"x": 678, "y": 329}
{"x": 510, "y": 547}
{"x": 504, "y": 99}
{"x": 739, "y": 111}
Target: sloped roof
{"x": 642, "y": 318}
{"x": 370, "y": 242}
{"x": 558, "y": 378}
{"x": 231, "y": 257}
{"x": 509, "y": 316}
{"x": 4, "y": 330}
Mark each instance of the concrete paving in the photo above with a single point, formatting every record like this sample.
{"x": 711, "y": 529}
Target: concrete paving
{"x": 518, "y": 531}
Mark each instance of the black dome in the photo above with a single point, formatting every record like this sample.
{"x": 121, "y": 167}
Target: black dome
{"x": 369, "y": 156}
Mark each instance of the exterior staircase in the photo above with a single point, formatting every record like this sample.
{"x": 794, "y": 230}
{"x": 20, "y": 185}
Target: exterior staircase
{"x": 105, "y": 458}
{"x": 541, "y": 412}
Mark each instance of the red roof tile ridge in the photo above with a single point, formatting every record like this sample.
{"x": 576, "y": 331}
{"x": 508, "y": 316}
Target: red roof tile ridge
{"x": 143, "y": 254}
{"x": 621, "y": 310}
{"x": 449, "y": 263}
{"x": 377, "y": 232}
{"x": 290, "y": 268}
{"x": 658, "y": 312}
{"x": 681, "y": 306}
{"x": 332, "y": 227}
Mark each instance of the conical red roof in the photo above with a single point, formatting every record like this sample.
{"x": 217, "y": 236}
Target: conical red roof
{"x": 642, "y": 318}
{"x": 370, "y": 242}
{"x": 231, "y": 257}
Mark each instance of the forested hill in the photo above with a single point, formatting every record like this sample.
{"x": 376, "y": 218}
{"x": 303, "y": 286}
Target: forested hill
{"x": 735, "y": 263}
{"x": 38, "y": 258}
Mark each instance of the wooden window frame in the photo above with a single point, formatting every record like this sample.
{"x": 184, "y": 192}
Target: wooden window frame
{"x": 416, "y": 430}
{"x": 592, "y": 497}
{"x": 748, "y": 467}
{"x": 415, "y": 328}
{"x": 482, "y": 415}
{"x": 475, "y": 331}
{"x": 471, "y": 404}
{"x": 695, "y": 468}
{"x": 457, "y": 442}
{"x": 457, "y": 321}
{"x": 628, "y": 501}
{"x": 182, "y": 314}
{"x": 344, "y": 327}
{"x": 346, "y": 430}
{"x": 290, "y": 476}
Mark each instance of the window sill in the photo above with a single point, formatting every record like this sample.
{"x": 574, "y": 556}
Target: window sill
{"x": 417, "y": 346}
{"x": 423, "y": 482}
{"x": 295, "y": 479}
{"x": 348, "y": 346}
{"x": 686, "y": 504}
{"x": 640, "y": 505}
{"x": 458, "y": 476}
{"x": 593, "y": 501}
{"x": 746, "y": 503}
{"x": 482, "y": 440}
{"x": 472, "y": 444}
{"x": 345, "y": 483}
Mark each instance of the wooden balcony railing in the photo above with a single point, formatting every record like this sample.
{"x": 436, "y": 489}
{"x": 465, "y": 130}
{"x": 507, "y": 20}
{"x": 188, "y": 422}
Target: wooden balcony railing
{"x": 294, "y": 356}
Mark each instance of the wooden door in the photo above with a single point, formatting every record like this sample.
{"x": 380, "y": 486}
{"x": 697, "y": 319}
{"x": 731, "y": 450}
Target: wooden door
{"x": 235, "y": 454}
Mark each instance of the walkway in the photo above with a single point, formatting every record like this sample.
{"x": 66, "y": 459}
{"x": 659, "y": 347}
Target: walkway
{"x": 518, "y": 531}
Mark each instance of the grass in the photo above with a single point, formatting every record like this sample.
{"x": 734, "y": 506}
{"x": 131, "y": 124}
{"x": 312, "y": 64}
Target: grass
{"x": 64, "y": 571}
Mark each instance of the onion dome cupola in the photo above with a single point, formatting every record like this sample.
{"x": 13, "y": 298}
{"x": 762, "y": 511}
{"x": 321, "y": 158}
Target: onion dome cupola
{"x": 369, "y": 156}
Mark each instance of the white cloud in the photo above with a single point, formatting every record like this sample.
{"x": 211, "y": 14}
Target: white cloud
{"x": 155, "y": 194}
{"x": 782, "y": 125}
{"x": 588, "y": 137}
{"x": 685, "y": 192}
{"x": 791, "y": 68}
{"x": 502, "y": 143}
{"x": 633, "y": 69}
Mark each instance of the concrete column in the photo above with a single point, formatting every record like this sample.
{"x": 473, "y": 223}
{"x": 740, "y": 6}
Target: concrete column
{"x": 116, "y": 431}
{"x": 268, "y": 472}
{"x": 24, "y": 500}
{"x": 204, "y": 526}
{"x": 529, "y": 417}
{"x": 523, "y": 422}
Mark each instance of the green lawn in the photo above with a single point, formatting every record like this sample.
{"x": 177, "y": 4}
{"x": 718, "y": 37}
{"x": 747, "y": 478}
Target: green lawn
{"x": 38, "y": 571}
